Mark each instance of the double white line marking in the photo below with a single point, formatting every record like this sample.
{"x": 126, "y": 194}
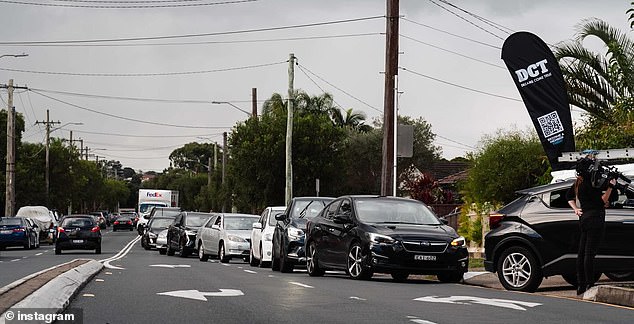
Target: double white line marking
{"x": 121, "y": 254}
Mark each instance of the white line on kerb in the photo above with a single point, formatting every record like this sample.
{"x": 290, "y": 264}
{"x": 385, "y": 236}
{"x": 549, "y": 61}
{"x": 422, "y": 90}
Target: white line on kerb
{"x": 300, "y": 284}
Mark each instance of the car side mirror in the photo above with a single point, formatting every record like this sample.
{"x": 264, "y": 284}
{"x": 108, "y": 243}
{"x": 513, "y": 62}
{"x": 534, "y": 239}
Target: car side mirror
{"x": 342, "y": 219}
{"x": 444, "y": 221}
{"x": 257, "y": 225}
{"x": 146, "y": 216}
{"x": 280, "y": 217}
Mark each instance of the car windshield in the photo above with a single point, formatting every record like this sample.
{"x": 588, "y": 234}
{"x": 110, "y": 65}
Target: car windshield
{"x": 160, "y": 223}
{"x": 11, "y": 221}
{"x": 167, "y": 212}
{"x": 308, "y": 208}
{"x": 130, "y": 215}
{"x": 77, "y": 222}
{"x": 144, "y": 208}
{"x": 374, "y": 211}
{"x": 196, "y": 220}
{"x": 240, "y": 223}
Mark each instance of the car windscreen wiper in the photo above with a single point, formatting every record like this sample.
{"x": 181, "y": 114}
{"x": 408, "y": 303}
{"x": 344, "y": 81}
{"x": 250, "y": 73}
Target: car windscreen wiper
{"x": 302, "y": 213}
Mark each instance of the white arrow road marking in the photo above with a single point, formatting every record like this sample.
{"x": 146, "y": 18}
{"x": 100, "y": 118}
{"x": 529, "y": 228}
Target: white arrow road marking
{"x": 198, "y": 295}
{"x": 512, "y": 304}
{"x": 171, "y": 266}
{"x": 249, "y": 271}
{"x": 357, "y": 298}
{"x": 300, "y": 284}
{"x": 15, "y": 260}
{"x": 38, "y": 254}
{"x": 421, "y": 321}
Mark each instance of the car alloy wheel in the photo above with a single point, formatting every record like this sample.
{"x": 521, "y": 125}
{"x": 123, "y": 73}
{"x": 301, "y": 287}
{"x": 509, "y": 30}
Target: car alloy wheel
{"x": 312, "y": 264}
{"x": 222, "y": 254}
{"x": 518, "y": 270}
{"x": 201, "y": 253}
{"x": 355, "y": 264}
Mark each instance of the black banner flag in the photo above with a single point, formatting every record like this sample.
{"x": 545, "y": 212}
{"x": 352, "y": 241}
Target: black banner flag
{"x": 539, "y": 80}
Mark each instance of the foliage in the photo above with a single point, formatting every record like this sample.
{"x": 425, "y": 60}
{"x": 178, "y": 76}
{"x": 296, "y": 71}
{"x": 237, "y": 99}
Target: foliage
{"x": 470, "y": 221}
{"x": 425, "y": 188}
{"x": 601, "y": 135}
{"x": 506, "y": 162}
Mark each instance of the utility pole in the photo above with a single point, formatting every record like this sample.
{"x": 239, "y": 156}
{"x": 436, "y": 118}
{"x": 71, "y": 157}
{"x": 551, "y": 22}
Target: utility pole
{"x": 209, "y": 173}
{"x": 289, "y": 131}
{"x": 215, "y": 156}
{"x": 254, "y": 102}
{"x": 48, "y": 124}
{"x": 391, "y": 70}
{"x": 9, "y": 205}
{"x": 224, "y": 163}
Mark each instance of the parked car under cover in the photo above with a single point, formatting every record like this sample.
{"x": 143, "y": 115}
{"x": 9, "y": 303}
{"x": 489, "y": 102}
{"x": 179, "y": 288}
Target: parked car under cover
{"x": 262, "y": 237}
{"x": 288, "y": 237}
{"x": 226, "y": 236}
{"x": 78, "y": 232}
{"x": 366, "y": 234}
{"x": 537, "y": 236}
{"x": 18, "y": 231}
{"x": 181, "y": 234}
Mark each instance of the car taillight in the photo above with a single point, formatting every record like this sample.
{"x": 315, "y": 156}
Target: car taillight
{"x": 61, "y": 229}
{"x": 495, "y": 219}
{"x": 16, "y": 230}
{"x": 95, "y": 229}
{"x": 129, "y": 222}
{"x": 116, "y": 222}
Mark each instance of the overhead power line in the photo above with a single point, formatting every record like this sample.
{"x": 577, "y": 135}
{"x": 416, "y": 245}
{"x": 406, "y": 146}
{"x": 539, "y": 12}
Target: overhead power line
{"x": 144, "y": 74}
{"x": 125, "y": 118}
{"x": 149, "y": 136}
{"x": 466, "y": 20}
{"x": 243, "y": 31}
{"x": 125, "y": 4}
{"x": 452, "y": 34}
{"x": 482, "y": 19}
{"x": 459, "y": 86}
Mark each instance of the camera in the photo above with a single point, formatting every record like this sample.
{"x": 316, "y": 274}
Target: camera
{"x": 601, "y": 175}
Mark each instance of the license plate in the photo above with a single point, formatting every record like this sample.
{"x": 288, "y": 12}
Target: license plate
{"x": 425, "y": 257}
{"x": 78, "y": 241}
{"x": 6, "y": 232}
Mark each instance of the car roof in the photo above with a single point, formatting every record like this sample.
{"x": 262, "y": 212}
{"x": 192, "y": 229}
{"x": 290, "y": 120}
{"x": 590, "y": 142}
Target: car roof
{"x": 78, "y": 216}
{"x": 546, "y": 188}
{"x": 238, "y": 215}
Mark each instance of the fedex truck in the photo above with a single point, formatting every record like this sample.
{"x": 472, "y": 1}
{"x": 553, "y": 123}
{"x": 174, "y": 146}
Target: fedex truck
{"x": 149, "y": 198}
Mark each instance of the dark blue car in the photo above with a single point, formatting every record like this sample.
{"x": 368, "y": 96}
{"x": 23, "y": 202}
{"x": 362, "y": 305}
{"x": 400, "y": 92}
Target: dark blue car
{"x": 16, "y": 231}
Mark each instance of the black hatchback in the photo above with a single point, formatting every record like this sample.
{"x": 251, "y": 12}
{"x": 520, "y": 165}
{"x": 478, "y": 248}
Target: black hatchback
{"x": 78, "y": 232}
{"x": 537, "y": 236}
{"x": 367, "y": 234}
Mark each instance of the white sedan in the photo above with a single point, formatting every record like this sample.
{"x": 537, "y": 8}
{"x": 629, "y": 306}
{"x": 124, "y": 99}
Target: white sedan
{"x": 262, "y": 237}
{"x": 226, "y": 236}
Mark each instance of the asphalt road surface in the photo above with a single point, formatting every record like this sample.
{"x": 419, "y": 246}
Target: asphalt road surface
{"x": 145, "y": 287}
{"x": 16, "y": 262}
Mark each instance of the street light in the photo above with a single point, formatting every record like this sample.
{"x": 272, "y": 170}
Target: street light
{"x": 232, "y": 105}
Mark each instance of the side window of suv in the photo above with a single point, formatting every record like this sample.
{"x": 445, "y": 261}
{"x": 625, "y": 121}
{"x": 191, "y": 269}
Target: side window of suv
{"x": 332, "y": 210}
{"x": 558, "y": 199}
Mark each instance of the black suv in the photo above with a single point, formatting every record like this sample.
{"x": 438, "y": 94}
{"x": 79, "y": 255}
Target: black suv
{"x": 288, "y": 237}
{"x": 537, "y": 236}
{"x": 181, "y": 234}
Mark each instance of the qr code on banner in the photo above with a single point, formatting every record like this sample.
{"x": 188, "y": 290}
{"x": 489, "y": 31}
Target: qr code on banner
{"x": 550, "y": 124}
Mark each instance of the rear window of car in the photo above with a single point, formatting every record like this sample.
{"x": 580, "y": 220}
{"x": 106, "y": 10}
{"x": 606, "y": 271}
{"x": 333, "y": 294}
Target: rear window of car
{"x": 308, "y": 208}
{"x": 160, "y": 223}
{"x": 240, "y": 223}
{"x": 77, "y": 222}
{"x": 196, "y": 220}
{"x": 11, "y": 221}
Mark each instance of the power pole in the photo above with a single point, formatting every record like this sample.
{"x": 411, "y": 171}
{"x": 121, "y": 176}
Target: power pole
{"x": 391, "y": 70}
{"x": 9, "y": 204}
{"x": 209, "y": 173}
{"x": 215, "y": 156}
{"x": 289, "y": 131}
{"x": 48, "y": 124}
{"x": 254, "y": 102}
{"x": 224, "y": 163}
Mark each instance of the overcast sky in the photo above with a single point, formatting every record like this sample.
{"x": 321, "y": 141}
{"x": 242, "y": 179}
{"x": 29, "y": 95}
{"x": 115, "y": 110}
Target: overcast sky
{"x": 453, "y": 78}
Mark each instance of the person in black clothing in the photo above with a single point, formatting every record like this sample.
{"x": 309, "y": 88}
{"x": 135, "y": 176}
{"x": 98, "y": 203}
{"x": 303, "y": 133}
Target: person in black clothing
{"x": 591, "y": 212}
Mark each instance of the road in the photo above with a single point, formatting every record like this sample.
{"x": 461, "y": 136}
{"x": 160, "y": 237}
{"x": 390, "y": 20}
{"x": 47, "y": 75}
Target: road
{"x": 153, "y": 288}
{"x": 16, "y": 263}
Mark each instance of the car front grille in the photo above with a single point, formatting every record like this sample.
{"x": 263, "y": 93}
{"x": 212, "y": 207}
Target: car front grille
{"x": 425, "y": 246}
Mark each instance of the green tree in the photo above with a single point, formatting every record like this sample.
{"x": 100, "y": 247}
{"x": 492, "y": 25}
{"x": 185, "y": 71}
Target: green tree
{"x": 352, "y": 120}
{"x": 506, "y": 162}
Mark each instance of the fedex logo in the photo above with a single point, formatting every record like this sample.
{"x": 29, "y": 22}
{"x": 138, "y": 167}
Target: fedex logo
{"x": 537, "y": 71}
{"x": 154, "y": 194}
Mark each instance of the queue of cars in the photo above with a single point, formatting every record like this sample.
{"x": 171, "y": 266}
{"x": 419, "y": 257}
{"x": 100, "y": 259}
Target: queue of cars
{"x": 360, "y": 235}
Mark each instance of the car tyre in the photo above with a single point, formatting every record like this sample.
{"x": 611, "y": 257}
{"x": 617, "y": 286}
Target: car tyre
{"x": 263, "y": 264}
{"x": 356, "y": 263}
{"x": 399, "y": 276}
{"x": 286, "y": 265}
{"x": 312, "y": 263}
{"x": 222, "y": 254}
{"x": 620, "y": 276}
{"x": 162, "y": 251}
{"x": 58, "y": 250}
{"x": 114, "y": 229}
{"x": 252, "y": 260}
{"x": 182, "y": 250}
{"x": 275, "y": 261}
{"x": 201, "y": 253}
{"x": 98, "y": 249}
{"x": 519, "y": 270}
{"x": 27, "y": 246}
{"x": 450, "y": 277}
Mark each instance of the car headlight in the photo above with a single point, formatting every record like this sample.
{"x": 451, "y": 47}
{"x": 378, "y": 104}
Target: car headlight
{"x": 163, "y": 234}
{"x": 460, "y": 241}
{"x": 295, "y": 233}
{"x": 235, "y": 238}
{"x": 268, "y": 237}
{"x": 380, "y": 239}
{"x": 151, "y": 235}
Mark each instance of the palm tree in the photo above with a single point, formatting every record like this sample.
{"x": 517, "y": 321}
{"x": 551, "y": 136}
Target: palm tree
{"x": 353, "y": 120}
{"x": 596, "y": 83}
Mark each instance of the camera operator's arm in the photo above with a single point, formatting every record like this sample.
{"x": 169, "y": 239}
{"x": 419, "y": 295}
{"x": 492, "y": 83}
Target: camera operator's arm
{"x": 608, "y": 192}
